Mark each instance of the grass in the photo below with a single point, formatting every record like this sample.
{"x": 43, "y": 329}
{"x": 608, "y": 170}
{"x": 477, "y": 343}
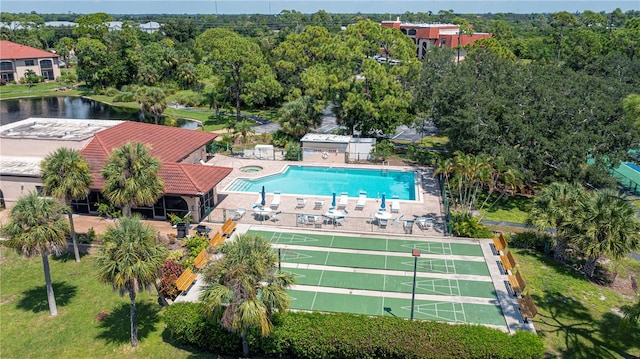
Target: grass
{"x": 577, "y": 318}
{"x": 433, "y": 141}
{"x": 28, "y": 331}
{"x": 508, "y": 209}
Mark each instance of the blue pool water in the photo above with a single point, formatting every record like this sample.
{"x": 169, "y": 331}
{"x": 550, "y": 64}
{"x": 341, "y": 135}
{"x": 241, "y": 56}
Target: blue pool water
{"x": 633, "y": 165}
{"x": 323, "y": 181}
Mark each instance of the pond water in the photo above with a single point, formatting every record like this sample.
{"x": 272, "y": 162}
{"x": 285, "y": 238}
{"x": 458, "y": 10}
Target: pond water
{"x": 14, "y": 110}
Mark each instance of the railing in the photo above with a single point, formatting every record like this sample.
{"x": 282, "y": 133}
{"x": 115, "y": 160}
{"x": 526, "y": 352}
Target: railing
{"x": 307, "y": 218}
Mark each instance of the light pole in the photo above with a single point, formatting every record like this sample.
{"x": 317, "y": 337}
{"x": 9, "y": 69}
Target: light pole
{"x": 415, "y": 253}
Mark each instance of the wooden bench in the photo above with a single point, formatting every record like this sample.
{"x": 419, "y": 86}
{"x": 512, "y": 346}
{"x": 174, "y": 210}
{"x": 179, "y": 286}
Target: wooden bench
{"x": 517, "y": 283}
{"x": 508, "y": 262}
{"x": 228, "y": 227}
{"x": 201, "y": 260}
{"x": 500, "y": 243}
{"x": 216, "y": 240}
{"x": 527, "y": 307}
{"x": 185, "y": 280}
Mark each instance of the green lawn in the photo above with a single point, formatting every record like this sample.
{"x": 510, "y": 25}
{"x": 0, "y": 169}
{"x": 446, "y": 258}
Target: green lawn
{"x": 509, "y": 209}
{"x": 577, "y": 318}
{"x": 28, "y": 331}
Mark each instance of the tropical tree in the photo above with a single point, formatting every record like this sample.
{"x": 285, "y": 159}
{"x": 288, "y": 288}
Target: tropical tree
{"x": 37, "y": 227}
{"x": 243, "y": 130}
{"x": 131, "y": 177}
{"x": 130, "y": 260}
{"x": 554, "y": 207}
{"x": 246, "y": 286}
{"x": 66, "y": 175}
{"x": 604, "y": 225}
{"x": 152, "y": 100}
{"x": 561, "y": 20}
{"x": 298, "y": 116}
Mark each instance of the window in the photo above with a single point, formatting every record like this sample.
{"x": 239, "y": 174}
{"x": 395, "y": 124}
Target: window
{"x": 443, "y": 42}
{"x": 46, "y": 64}
{"x": 6, "y": 66}
{"x": 29, "y": 62}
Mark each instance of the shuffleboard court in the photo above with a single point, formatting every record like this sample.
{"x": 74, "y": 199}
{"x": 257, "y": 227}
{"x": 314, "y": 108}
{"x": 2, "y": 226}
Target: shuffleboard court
{"x": 382, "y": 261}
{"x": 392, "y": 283}
{"x": 375, "y": 244}
{"x": 487, "y": 314}
{"x": 374, "y": 276}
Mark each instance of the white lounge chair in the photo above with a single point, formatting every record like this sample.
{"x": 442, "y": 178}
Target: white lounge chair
{"x": 301, "y": 202}
{"x": 258, "y": 200}
{"x": 238, "y": 213}
{"x": 395, "y": 204}
{"x": 344, "y": 200}
{"x": 275, "y": 203}
{"x": 362, "y": 200}
{"x": 276, "y": 217}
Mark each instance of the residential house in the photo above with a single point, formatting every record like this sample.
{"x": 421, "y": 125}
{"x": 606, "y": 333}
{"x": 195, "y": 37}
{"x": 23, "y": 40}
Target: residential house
{"x": 427, "y": 35}
{"x": 17, "y": 59}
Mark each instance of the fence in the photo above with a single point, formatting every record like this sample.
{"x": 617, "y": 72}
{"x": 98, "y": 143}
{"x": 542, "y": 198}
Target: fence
{"x": 308, "y": 219}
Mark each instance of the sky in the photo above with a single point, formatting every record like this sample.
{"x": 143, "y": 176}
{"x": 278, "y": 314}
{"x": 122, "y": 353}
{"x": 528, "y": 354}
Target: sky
{"x": 309, "y": 6}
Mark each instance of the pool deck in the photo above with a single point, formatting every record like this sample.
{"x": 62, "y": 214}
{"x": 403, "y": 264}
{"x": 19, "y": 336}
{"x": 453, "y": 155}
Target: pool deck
{"x": 428, "y": 201}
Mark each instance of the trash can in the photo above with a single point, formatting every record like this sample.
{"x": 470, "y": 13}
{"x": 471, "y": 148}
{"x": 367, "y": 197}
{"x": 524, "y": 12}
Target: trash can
{"x": 183, "y": 230}
{"x": 408, "y": 226}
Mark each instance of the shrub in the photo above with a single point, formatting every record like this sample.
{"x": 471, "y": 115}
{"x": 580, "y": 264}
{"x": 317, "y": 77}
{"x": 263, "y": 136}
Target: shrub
{"x": 466, "y": 225}
{"x": 195, "y": 244}
{"x": 341, "y": 335}
{"x": 107, "y": 209}
{"x": 531, "y": 240}
{"x": 170, "y": 271}
{"x": 188, "y": 324}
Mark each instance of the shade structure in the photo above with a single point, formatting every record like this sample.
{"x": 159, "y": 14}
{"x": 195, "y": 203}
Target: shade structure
{"x": 383, "y": 202}
{"x": 263, "y": 194}
{"x": 333, "y": 201}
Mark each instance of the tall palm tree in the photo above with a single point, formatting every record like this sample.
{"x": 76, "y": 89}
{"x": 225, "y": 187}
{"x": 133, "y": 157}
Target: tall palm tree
{"x": 66, "y": 175}
{"x": 244, "y": 129}
{"x": 37, "y": 226}
{"x": 604, "y": 225}
{"x": 246, "y": 286}
{"x": 152, "y": 100}
{"x": 131, "y": 177}
{"x": 130, "y": 260}
{"x": 554, "y": 208}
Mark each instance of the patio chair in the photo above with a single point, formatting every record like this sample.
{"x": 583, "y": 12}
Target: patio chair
{"x": 301, "y": 202}
{"x": 318, "y": 204}
{"x": 362, "y": 200}
{"x": 276, "y": 217}
{"x": 275, "y": 203}
{"x": 344, "y": 200}
{"x": 383, "y": 223}
{"x": 395, "y": 204}
{"x": 424, "y": 222}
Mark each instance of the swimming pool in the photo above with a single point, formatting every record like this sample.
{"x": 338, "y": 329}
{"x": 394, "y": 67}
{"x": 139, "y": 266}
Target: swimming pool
{"x": 323, "y": 181}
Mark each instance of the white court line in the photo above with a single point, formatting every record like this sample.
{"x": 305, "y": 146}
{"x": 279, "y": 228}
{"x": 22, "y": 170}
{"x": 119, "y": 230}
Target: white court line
{"x": 464, "y": 315}
{"x": 313, "y": 303}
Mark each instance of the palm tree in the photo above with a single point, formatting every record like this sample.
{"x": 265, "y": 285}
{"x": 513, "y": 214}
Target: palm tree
{"x": 604, "y": 225}
{"x": 152, "y": 100}
{"x": 130, "y": 260}
{"x": 131, "y": 177}
{"x": 554, "y": 208}
{"x": 66, "y": 175}
{"x": 37, "y": 226}
{"x": 243, "y": 129}
{"x": 246, "y": 286}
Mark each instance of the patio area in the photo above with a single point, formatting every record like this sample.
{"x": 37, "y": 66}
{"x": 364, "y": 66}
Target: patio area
{"x": 422, "y": 217}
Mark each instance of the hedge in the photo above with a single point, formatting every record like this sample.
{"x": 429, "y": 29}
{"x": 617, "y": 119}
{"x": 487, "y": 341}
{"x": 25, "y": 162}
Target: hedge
{"x": 341, "y": 335}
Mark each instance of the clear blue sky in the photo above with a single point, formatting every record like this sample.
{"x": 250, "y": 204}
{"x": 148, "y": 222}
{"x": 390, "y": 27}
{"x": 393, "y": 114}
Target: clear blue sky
{"x": 308, "y": 6}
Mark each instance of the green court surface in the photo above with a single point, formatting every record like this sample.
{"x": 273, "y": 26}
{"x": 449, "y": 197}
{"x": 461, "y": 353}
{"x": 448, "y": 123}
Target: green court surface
{"x": 383, "y": 267}
{"x": 424, "y": 309}
{"x": 392, "y": 283}
{"x": 381, "y": 261}
{"x": 373, "y": 244}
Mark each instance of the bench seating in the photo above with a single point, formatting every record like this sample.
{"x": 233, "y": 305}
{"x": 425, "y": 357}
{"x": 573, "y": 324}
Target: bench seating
{"x": 500, "y": 243}
{"x": 216, "y": 240}
{"x": 517, "y": 283}
{"x": 508, "y": 262}
{"x": 228, "y": 227}
{"x": 185, "y": 280}
{"x": 201, "y": 260}
{"x": 527, "y": 307}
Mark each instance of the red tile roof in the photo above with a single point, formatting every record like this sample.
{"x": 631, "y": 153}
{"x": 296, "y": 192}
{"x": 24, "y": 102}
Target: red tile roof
{"x": 12, "y": 51}
{"x": 169, "y": 144}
